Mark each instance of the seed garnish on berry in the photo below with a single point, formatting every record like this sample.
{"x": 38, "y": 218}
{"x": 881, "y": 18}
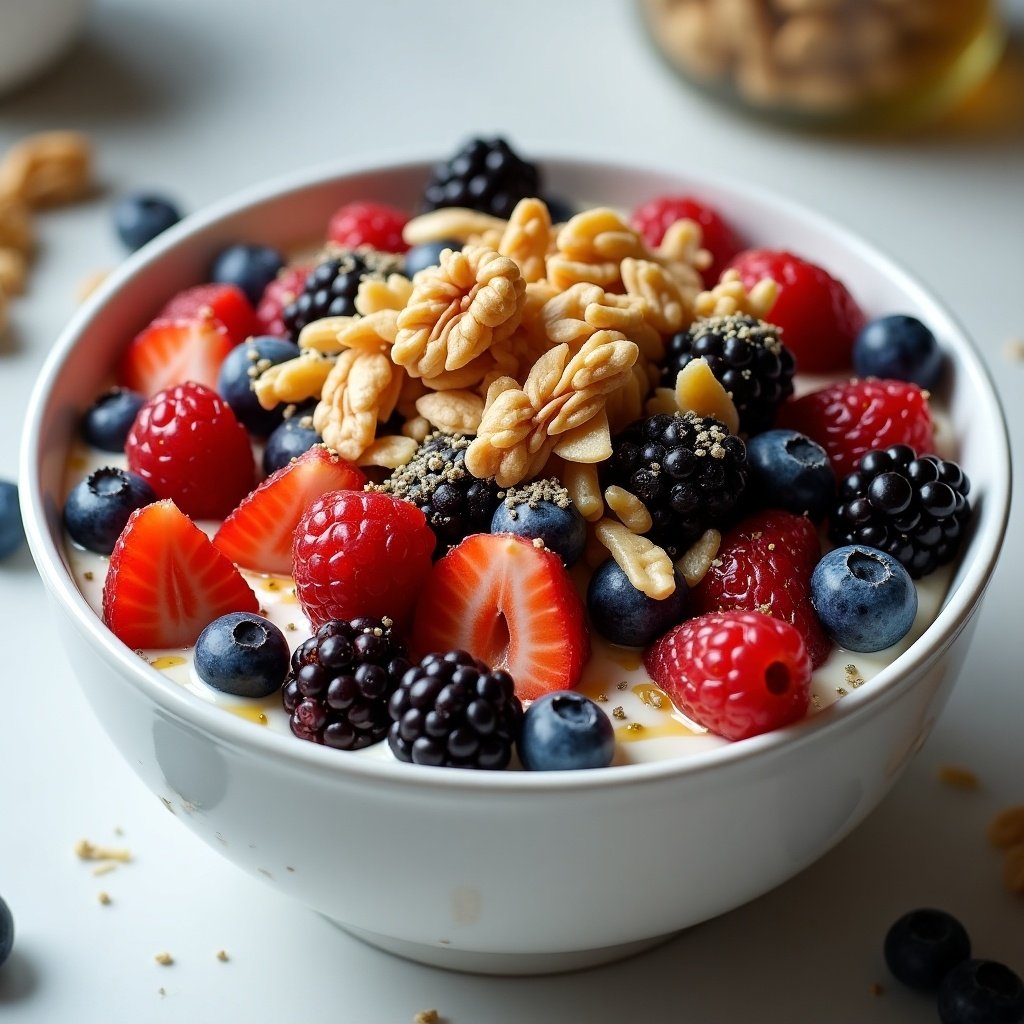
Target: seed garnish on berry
{"x": 436, "y": 481}
{"x": 688, "y": 471}
{"x": 746, "y": 355}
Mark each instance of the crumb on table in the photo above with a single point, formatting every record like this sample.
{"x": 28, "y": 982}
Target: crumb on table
{"x": 958, "y": 777}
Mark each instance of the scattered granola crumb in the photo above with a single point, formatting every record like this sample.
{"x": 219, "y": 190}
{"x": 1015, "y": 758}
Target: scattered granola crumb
{"x": 853, "y": 676}
{"x": 1014, "y": 349}
{"x": 90, "y": 851}
{"x": 88, "y": 575}
{"x": 161, "y": 991}
{"x": 634, "y": 727}
{"x": 164, "y": 959}
{"x": 1006, "y": 829}
{"x": 618, "y": 712}
{"x": 222, "y": 955}
{"x": 104, "y": 898}
{"x": 602, "y": 698}
{"x": 621, "y": 685}
{"x": 957, "y": 777}
{"x": 876, "y": 989}
{"x": 104, "y": 869}
{"x": 841, "y": 691}
{"x": 90, "y": 283}
{"x": 426, "y": 1017}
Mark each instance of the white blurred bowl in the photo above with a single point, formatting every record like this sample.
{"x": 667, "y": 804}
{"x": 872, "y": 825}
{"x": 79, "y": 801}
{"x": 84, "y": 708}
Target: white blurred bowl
{"x": 34, "y": 34}
{"x": 507, "y": 872}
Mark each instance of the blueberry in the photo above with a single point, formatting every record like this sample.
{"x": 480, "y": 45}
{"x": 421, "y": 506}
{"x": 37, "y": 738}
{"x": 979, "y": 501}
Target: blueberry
{"x": 237, "y": 373}
{"x": 865, "y": 599}
{"x": 565, "y": 730}
{"x": 140, "y": 217}
{"x": 923, "y": 946}
{"x": 99, "y": 506}
{"x": 107, "y": 422}
{"x": 981, "y": 992}
{"x": 243, "y": 654}
{"x": 12, "y": 529}
{"x": 563, "y": 530}
{"x": 249, "y": 267}
{"x": 6, "y": 931}
{"x": 899, "y": 347}
{"x": 625, "y": 615}
{"x": 288, "y": 441}
{"x": 427, "y": 255}
{"x": 791, "y": 472}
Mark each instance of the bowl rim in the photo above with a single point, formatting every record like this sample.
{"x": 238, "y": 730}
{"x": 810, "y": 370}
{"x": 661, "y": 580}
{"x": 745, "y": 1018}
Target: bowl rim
{"x": 231, "y": 730}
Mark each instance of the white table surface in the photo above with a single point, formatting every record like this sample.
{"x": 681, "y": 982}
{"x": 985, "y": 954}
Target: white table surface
{"x": 200, "y": 97}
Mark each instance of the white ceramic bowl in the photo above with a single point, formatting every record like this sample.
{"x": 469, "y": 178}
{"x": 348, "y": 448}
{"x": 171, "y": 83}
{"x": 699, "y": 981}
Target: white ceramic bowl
{"x": 507, "y": 872}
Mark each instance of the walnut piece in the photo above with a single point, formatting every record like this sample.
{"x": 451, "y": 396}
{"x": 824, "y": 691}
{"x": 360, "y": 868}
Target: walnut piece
{"x": 471, "y": 301}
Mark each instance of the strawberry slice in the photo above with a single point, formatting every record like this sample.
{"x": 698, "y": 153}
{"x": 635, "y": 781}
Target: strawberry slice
{"x": 258, "y": 533}
{"x": 512, "y": 605}
{"x": 226, "y": 304}
{"x": 170, "y": 352}
{"x": 166, "y": 581}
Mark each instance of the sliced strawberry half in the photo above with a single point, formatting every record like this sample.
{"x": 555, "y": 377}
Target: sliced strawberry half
{"x": 225, "y": 304}
{"x": 512, "y": 605}
{"x": 166, "y": 581}
{"x": 258, "y": 533}
{"x": 170, "y": 352}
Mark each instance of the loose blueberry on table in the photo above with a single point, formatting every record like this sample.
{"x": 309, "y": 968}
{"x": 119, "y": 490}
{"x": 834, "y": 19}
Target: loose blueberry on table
{"x": 469, "y": 529}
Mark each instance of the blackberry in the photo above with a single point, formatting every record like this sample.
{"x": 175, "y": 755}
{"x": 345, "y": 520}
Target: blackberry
{"x": 340, "y": 681}
{"x": 452, "y": 711}
{"x": 484, "y": 175}
{"x": 913, "y": 508}
{"x": 748, "y": 358}
{"x": 331, "y": 286}
{"x": 688, "y": 470}
{"x": 436, "y": 481}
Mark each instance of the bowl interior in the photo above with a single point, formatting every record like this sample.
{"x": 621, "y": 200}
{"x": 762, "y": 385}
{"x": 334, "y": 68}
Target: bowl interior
{"x": 293, "y": 213}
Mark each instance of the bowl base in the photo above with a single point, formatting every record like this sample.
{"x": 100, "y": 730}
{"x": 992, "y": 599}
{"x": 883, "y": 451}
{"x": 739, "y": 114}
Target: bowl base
{"x": 474, "y": 962}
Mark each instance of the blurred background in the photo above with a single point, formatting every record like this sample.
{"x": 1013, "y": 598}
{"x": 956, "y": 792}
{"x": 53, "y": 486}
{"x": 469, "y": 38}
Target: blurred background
{"x": 903, "y": 119}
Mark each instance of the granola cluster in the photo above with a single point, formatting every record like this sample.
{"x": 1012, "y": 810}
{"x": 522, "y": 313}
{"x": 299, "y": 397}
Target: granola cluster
{"x": 537, "y": 340}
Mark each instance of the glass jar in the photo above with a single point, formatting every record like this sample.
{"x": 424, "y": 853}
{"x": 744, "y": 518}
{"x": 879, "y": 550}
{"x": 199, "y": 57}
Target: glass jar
{"x": 868, "y": 62}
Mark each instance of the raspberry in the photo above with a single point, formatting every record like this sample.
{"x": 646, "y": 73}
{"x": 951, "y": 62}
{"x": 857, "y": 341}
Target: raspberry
{"x": 376, "y": 225}
{"x": 357, "y": 553}
{"x": 746, "y": 356}
{"x": 818, "y": 317}
{"x": 688, "y": 471}
{"x": 915, "y": 509}
{"x": 738, "y": 674}
{"x": 453, "y": 711}
{"x": 764, "y": 564}
{"x": 283, "y": 290}
{"x": 341, "y": 680}
{"x": 854, "y": 417}
{"x": 437, "y": 482}
{"x": 188, "y": 446}
{"x": 655, "y": 217}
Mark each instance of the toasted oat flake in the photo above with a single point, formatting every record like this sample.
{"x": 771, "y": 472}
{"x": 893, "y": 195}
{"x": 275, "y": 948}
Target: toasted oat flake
{"x": 618, "y": 712}
{"x": 222, "y": 955}
{"x": 427, "y": 1017}
{"x": 104, "y": 868}
{"x": 853, "y": 676}
{"x": 164, "y": 959}
{"x": 104, "y": 898}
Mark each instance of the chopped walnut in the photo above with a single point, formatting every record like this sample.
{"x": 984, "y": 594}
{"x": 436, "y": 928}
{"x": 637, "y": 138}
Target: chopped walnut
{"x": 457, "y": 310}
